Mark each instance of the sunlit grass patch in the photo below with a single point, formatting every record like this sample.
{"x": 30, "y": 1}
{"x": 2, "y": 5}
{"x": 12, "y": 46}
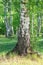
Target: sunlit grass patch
{"x": 21, "y": 60}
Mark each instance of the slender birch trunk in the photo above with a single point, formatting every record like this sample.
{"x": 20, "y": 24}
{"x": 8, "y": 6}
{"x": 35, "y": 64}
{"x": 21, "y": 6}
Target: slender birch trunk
{"x": 10, "y": 17}
{"x": 39, "y": 24}
{"x": 8, "y": 21}
{"x": 32, "y": 23}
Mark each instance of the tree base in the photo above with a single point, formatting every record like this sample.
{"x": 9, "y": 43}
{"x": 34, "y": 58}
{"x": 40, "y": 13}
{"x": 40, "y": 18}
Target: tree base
{"x": 30, "y": 51}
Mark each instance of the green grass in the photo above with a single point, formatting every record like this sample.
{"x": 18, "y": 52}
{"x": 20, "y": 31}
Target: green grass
{"x": 38, "y": 45}
{"x": 7, "y": 44}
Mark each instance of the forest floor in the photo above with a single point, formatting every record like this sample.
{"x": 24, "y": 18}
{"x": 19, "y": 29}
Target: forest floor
{"x": 7, "y": 44}
{"x": 20, "y": 60}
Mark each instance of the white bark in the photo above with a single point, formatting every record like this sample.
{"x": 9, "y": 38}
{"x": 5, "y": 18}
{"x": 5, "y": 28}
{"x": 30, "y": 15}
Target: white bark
{"x": 39, "y": 24}
{"x": 24, "y": 34}
{"x": 8, "y": 21}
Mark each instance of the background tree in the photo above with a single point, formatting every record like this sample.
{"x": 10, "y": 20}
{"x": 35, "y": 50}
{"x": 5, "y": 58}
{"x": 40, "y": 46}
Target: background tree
{"x": 8, "y": 18}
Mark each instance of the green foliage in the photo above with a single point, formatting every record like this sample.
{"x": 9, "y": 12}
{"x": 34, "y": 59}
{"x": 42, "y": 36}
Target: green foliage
{"x": 2, "y": 26}
{"x": 34, "y": 7}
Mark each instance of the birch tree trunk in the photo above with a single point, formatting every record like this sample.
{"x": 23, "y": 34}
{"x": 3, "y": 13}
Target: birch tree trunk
{"x": 32, "y": 23}
{"x": 39, "y": 24}
{"x": 10, "y": 17}
{"x": 8, "y": 21}
{"x": 24, "y": 32}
